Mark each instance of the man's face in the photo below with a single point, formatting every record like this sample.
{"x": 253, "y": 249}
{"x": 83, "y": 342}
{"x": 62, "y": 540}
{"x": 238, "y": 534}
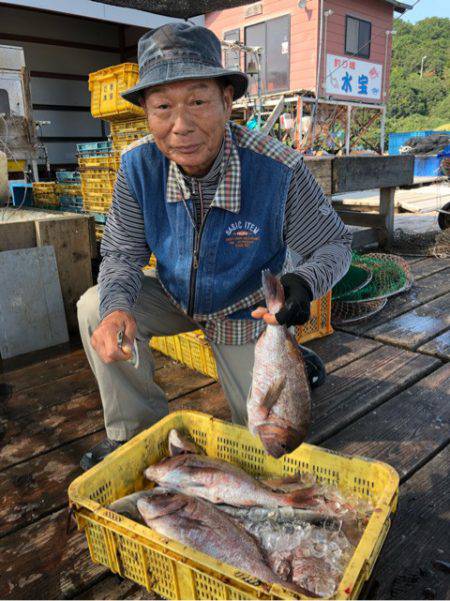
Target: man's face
{"x": 187, "y": 120}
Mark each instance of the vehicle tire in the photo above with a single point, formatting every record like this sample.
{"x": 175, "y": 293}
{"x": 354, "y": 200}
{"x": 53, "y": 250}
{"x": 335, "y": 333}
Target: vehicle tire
{"x": 444, "y": 218}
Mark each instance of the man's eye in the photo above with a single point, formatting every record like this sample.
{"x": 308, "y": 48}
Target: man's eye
{"x": 163, "y": 106}
{"x": 199, "y": 102}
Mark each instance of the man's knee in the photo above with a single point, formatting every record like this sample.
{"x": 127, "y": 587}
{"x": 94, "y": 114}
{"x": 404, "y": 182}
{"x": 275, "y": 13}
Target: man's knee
{"x": 88, "y": 308}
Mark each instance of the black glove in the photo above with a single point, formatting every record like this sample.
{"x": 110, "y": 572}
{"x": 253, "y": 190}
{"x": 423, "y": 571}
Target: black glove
{"x": 298, "y": 297}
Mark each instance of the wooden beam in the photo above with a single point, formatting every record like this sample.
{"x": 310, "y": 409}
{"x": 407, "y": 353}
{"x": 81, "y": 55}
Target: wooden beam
{"x": 366, "y": 172}
{"x": 362, "y": 219}
{"x": 321, "y": 168}
{"x": 32, "y": 39}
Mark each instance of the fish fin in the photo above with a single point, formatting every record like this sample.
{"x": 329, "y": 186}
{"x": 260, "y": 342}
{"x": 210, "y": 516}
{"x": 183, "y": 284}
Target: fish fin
{"x": 273, "y": 393}
{"x": 279, "y": 438}
{"x": 273, "y": 291}
{"x": 302, "y": 498}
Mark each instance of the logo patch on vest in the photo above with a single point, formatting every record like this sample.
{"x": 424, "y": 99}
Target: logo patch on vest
{"x": 242, "y": 234}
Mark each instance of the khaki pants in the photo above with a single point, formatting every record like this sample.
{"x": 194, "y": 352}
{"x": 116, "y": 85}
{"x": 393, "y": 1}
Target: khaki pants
{"x": 131, "y": 400}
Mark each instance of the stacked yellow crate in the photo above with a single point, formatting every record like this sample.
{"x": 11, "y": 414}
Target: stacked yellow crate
{"x": 100, "y": 161}
{"x": 127, "y": 131}
{"x": 45, "y": 195}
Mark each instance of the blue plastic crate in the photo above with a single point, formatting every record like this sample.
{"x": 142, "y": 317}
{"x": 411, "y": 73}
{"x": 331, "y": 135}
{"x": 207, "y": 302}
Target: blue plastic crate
{"x": 94, "y": 149}
{"x": 68, "y": 177}
{"x": 427, "y": 166}
{"x": 398, "y": 139}
{"x": 21, "y": 193}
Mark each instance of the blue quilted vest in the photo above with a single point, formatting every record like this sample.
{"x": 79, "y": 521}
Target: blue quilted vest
{"x": 234, "y": 247}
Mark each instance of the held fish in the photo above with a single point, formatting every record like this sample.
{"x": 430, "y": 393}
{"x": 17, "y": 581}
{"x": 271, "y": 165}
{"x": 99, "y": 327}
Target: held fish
{"x": 220, "y": 482}
{"x": 279, "y": 405}
{"x": 200, "y": 525}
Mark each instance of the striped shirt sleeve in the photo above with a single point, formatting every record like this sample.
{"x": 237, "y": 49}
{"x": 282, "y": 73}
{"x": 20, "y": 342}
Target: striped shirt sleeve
{"x": 315, "y": 231}
{"x": 124, "y": 251}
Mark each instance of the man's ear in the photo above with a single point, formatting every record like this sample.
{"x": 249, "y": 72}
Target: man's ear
{"x": 228, "y": 94}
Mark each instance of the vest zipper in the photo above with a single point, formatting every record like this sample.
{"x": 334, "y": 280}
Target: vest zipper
{"x": 196, "y": 252}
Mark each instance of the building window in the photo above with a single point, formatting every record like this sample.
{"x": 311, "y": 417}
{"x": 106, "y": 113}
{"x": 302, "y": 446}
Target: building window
{"x": 357, "y": 37}
{"x": 231, "y": 58}
{"x": 274, "y": 38}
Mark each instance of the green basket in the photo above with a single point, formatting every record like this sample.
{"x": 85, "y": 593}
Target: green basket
{"x": 356, "y": 278}
{"x": 390, "y": 275}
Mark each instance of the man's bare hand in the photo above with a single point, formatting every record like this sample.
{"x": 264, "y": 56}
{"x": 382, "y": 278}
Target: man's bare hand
{"x": 263, "y": 313}
{"x": 104, "y": 339}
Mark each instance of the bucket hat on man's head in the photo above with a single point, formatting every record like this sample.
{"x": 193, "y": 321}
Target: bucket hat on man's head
{"x": 179, "y": 51}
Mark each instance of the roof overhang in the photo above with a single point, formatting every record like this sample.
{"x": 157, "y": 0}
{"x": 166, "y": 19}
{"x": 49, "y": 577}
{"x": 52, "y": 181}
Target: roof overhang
{"x": 400, "y": 7}
{"x": 181, "y": 9}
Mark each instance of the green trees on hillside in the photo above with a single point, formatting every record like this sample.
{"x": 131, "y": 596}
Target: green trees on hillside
{"x": 420, "y": 102}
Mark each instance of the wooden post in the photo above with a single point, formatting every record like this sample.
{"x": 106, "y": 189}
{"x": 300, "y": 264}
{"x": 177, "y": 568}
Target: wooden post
{"x": 387, "y": 207}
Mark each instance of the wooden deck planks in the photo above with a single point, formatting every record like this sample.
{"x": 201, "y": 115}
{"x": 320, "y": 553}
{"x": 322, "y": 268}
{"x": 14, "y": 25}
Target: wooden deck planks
{"x": 113, "y": 587}
{"x": 415, "y": 327}
{"x": 41, "y": 561}
{"x": 400, "y": 397}
{"x": 404, "y": 431}
{"x": 340, "y": 349}
{"x": 407, "y": 567}
{"x": 35, "y": 398}
{"x": 438, "y": 347}
{"x": 34, "y": 488}
{"x": 428, "y": 267}
{"x": 42, "y": 372}
{"x": 49, "y": 428}
{"x": 423, "y": 291}
{"x": 359, "y": 387}
{"x": 177, "y": 380}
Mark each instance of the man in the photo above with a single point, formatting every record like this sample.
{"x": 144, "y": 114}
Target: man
{"x": 216, "y": 204}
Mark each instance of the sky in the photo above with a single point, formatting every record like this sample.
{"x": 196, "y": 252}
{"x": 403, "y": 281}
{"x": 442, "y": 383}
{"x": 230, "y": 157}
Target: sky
{"x": 426, "y": 8}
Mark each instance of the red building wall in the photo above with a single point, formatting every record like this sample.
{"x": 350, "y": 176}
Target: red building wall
{"x": 379, "y": 13}
{"x": 304, "y": 32}
{"x": 304, "y": 36}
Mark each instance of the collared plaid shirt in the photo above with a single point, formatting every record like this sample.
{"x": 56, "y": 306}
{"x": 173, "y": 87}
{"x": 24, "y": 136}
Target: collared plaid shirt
{"x": 319, "y": 241}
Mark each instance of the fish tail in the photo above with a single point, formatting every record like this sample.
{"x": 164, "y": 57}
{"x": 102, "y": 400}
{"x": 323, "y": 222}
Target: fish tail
{"x": 273, "y": 291}
{"x": 278, "y": 438}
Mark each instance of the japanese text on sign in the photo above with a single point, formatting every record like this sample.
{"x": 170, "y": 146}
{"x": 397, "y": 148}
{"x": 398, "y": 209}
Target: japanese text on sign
{"x": 351, "y": 77}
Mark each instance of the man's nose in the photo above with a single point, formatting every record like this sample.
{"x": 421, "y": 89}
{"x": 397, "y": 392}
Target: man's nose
{"x": 182, "y": 123}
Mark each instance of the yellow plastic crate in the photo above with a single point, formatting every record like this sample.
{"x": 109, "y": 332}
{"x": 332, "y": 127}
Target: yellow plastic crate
{"x": 129, "y": 126}
{"x": 96, "y": 202}
{"x": 176, "y": 571}
{"x": 68, "y": 189}
{"x": 189, "y": 348}
{"x": 44, "y": 187}
{"x": 319, "y": 323}
{"x": 106, "y": 86}
{"x": 193, "y": 350}
{"x": 106, "y": 162}
{"x": 125, "y": 132}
